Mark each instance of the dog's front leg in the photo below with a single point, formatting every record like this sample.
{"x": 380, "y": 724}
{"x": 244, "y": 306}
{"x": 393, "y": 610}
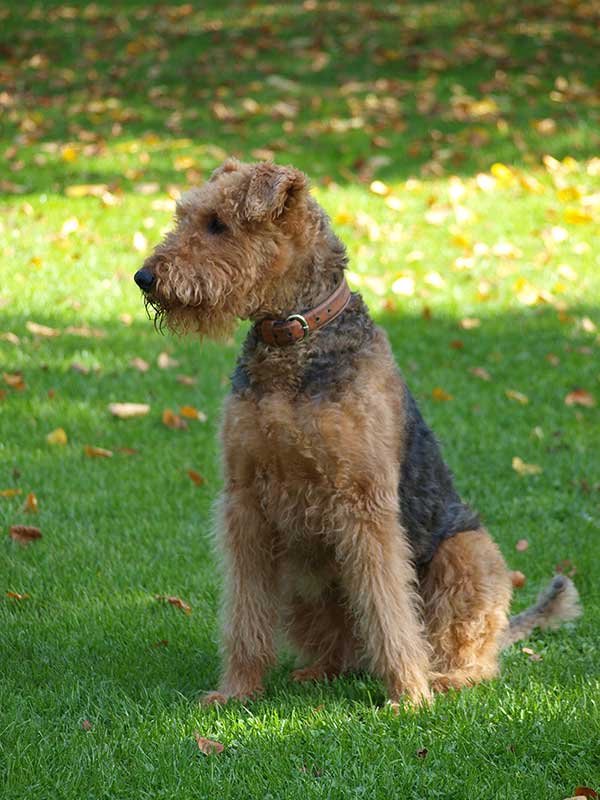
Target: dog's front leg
{"x": 250, "y": 598}
{"x": 379, "y": 578}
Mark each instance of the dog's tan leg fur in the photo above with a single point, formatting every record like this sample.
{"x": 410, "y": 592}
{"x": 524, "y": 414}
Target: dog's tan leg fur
{"x": 380, "y": 580}
{"x": 466, "y": 592}
{"x": 250, "y": 602}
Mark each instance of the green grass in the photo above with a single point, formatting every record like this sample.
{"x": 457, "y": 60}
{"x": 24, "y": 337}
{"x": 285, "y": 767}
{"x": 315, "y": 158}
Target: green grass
{"x": 128, "y": 97}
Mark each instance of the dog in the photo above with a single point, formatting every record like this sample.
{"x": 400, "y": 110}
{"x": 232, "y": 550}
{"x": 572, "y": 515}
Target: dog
{"x": 339, "y": 522}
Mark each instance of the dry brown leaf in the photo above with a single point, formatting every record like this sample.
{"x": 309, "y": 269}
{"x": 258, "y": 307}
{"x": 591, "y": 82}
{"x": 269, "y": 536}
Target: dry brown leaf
{"x": 31, "y": 503}
{"x": 10, "y": 492}
{"x": 522, "y": 545}
{"x": 174, "y": 601}
{"x": 165, "y": 361}
{"x": 173, "y": 420}
{"x": 441, "y": 395}
{"x": 566, "y": 567}
{"x": 580, "y": 397}
{"x": 85, "y": 332}
{"x": 512, "y": 394}
{"x": 532, "y": 655}
{"x": 82, "y": 369}
{"x": 57, "y": 436}
{"x": 196, "y": 477}
{"x": 189, "y": 412}
{"x": 186, "y": 380}
{"x": 24, "y": 534}
{"x": 128, "y": 410}
{"x": 127, "y": 451}
{"x": 517, "y": 579}
{"x": 208, "y": 746}
{"x": 469, "y": 323}
{"x": 96, "y": 452}
{"x": 10, "y": 337}
{"x": 480, "y": 372}
{"x": 86, "y": 725}
{"x": 41, "y": 330}
{"x": 457, "y": 344}
{"x": 139, "y": 364}
{"x": 15, "y": 380}
{"x": 422, "y": 753}
{"x": 17, "y": 596}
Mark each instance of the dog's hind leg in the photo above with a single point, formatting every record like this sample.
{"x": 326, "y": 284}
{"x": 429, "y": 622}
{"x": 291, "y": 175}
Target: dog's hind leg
{"x": 466, "y": 590}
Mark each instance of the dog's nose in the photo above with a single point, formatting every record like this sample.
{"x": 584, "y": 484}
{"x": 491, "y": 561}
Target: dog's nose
{"x": 144, "y": 279}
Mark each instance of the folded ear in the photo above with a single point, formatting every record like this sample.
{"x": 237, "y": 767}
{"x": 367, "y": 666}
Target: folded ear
{"x": 229, "y": 165}
{"x": 271, "y": 191}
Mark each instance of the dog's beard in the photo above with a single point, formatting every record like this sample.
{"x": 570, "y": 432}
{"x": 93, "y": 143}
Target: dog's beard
{"x": 206, "y": 320}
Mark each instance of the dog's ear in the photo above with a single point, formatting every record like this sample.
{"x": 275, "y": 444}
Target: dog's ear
{"x": 272, "y": 190}
{"x": 229, "y": 165}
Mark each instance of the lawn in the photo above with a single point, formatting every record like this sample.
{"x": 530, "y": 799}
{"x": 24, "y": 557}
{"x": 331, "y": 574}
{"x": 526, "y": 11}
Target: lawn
{"x": 456, "y": 150}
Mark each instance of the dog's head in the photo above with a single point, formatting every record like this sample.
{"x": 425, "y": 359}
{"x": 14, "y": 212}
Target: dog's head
{"x": 234, "y": 252}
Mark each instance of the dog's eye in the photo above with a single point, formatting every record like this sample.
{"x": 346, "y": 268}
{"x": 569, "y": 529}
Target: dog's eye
{"x": 216, "y": 225}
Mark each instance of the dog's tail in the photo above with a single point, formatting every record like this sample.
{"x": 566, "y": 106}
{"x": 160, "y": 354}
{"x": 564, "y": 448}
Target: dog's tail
{"x": 557, "y": 603}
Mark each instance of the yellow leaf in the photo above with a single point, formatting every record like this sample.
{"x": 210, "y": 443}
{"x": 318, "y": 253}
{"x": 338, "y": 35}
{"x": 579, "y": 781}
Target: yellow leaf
{"x": 68, "y": 153}
{"x": 519, "y": 397}
{"x": 10, "y": 492}
{"x": 569, "y": 194}
{"x": 502, "y": 173}
{"x": 525, "y": 469}
{"x": 57, "y": 436}
{"x": 576, "y": 216}
{"x": 440, "y": 395}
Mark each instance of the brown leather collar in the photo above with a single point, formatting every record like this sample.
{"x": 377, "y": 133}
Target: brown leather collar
{"x": 297, "y": 327}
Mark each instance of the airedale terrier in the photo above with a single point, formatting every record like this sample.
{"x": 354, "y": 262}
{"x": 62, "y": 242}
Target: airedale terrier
{"x": 339, "y": 521}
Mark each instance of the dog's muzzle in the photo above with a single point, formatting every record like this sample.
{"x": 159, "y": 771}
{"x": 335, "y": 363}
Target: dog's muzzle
{"x": 144, "y": 279}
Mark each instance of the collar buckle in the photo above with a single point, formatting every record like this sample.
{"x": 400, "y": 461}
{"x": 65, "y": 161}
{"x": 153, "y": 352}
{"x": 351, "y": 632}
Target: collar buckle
{"x": 302, "y": 321}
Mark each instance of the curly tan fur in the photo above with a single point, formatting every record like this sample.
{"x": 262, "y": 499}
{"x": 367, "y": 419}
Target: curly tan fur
{"x": 339, "y": 522}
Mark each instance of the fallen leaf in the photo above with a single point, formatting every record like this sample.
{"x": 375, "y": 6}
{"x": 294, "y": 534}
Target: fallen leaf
{"x": 96, "y": 452}
{"x": 140, "y": 243}
{"x": 208, "y": 746}
{"x": 533, "y": 656}
{"x": 525, "y": 469}
{"x": 86, "y": 725}
{"x": 10, "y": 492}
{"x": 17, "y": 596}
{"x": 469, "y": 323}
{"x": 517, "y": 579}
{"x": 41, "y": 330}
{"x": 512, "y": 394}
{"x": 174, "y": 601}
{"x": 82, "y": 369}
{"x": 189, "y": 412}
{"x": 57, "y": 436}
{"x": 31, "y": 504}
{"x": 422, "y": 753}
{"x": 172, "y": 420}
{"x": 584, "y": 791}
{"x": 522, "y": 545}
{"x": 15, "y": 380}
{"x": 128, "y": 410}
{"x": 139, "y": 364}
{"x": 566, "y": 567}
{"x": 186, "y": 380}
{"x": 24, "y": 534}
{"x": 127, "y": 451}
{"x": 165, "y": 361}
{"x": 440, "y": 395}
{"x": 10, "y": 337}
{"x": 196, "y": 477}
{"x": 161, "y": 643}
{"x": 580, "y": 397}
{"x": 457, "y": 344}
{"x": 480, "y": 372}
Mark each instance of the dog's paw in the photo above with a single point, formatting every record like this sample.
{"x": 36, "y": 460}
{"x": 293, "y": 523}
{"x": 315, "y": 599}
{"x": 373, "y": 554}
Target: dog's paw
{"x": 224, "y": 697}
{"x": 214, "y": 699}
{"x": 314, "y": 673}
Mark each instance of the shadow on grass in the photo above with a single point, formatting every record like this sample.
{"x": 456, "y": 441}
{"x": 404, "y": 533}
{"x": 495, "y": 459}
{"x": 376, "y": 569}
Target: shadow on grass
{"x": 345, "y": 91}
